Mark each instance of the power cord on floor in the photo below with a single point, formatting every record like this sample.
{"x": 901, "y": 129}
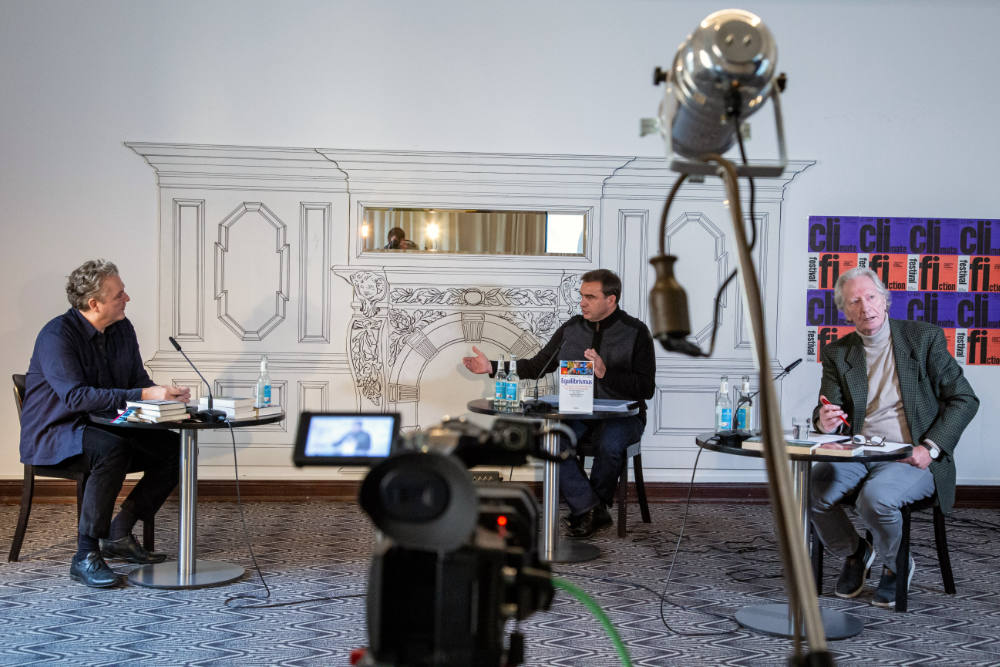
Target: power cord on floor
{"x": 246, "y": 536}
{"x": 246, "y": 533}
{"x": 670, "y": 570}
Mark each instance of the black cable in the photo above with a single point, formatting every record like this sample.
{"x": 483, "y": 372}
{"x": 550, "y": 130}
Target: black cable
{"x": 290, "y": 603}
{"x": 753, "y": 237}
{"x": 753, "y": 190}
{"x": 666, "y": 584}
{"x": 246, "y": 534}
{"x": 666, "y": 209}
{"x": 753, "y": 231}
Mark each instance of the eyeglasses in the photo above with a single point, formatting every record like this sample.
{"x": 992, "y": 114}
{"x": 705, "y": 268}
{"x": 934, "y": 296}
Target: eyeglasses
{"x": 874, "y": 441}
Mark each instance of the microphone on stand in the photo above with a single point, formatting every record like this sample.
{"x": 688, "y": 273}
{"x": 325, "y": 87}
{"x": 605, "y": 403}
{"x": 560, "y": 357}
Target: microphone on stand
{"x": 785, "y": 371}
{"x": 209, "y": 415}
{"x": 538, "y": 405}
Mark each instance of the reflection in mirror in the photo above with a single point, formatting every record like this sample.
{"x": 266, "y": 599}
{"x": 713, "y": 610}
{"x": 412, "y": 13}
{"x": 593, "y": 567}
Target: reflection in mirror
{"x": 473, "y": 232}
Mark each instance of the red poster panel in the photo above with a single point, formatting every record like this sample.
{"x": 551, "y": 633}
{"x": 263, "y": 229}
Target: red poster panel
{"x": 817, "y": 338}
{"x": 891, "y": 268}
{"x": 826, "y": 267}
{"x": 949, "y": 336}
{"x": 983, "y": 347}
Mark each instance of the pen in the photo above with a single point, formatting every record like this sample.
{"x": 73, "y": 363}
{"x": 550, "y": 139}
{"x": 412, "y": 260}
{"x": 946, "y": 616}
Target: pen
{"x": 840, "y": 417}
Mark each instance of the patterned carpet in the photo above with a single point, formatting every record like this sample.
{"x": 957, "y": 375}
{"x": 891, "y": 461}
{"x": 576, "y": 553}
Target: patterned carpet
{"x": 314, "y": 555}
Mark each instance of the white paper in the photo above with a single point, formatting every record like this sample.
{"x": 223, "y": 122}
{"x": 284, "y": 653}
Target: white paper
{"x": 612, "y": 405}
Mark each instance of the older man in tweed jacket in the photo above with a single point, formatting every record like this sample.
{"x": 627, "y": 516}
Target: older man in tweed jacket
{"x": 894, "y": 379}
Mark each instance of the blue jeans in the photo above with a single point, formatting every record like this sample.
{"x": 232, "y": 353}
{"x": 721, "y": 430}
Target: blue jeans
{"x": 884, "y": 487}
{"x": 612, "y": 437}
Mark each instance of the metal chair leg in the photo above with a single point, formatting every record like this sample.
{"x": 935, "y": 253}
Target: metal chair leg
{"x": 944, "y": 559}
{"x": 622, "y": 496}
{"x": 816, "y": 554}
{"x": 640, "y": 488}
{"x": 903, "y": 562}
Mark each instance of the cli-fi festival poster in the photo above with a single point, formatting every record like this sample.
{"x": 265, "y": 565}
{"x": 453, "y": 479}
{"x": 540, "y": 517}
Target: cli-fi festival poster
{"x": 940, "y": 270}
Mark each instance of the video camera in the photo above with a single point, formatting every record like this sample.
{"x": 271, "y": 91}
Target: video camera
{"x": 458, "y": 559}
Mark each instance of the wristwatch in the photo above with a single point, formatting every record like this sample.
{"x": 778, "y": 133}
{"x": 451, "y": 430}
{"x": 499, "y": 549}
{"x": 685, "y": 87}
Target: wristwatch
{"x": 932, "y": 448}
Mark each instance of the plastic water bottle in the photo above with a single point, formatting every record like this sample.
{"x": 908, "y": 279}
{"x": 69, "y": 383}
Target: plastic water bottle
{"x": 744, "y": 413}
{"x": 513, "y": 388}
{"x": 723, "y": 406}
{"x": 500, "y": 387}
{"x": 262, "y": 397}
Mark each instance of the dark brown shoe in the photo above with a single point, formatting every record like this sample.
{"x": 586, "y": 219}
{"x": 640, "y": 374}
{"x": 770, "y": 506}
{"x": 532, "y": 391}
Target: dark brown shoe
{"x": 590, "y": 522}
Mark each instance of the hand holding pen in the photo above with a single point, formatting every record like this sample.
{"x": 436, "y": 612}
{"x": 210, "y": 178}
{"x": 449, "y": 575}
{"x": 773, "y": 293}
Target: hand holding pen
{"x": 829, "y": 415}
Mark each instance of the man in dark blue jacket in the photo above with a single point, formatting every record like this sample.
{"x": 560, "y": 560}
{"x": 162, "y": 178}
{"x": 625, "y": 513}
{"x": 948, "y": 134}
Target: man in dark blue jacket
{"x": 86, "y": 361}
{"x": 624, "y": 368}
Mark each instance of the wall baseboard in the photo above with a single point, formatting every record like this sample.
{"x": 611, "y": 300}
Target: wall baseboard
{"x": 62, "y": 491}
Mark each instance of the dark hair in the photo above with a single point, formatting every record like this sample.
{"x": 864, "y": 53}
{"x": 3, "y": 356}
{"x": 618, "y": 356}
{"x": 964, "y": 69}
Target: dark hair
{"x": 395, "y": 238}
{"x": 611, "y": 284}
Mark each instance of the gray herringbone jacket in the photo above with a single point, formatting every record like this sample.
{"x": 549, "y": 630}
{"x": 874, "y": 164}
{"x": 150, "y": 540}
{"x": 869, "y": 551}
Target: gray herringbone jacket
{"x": 937, "y": 399}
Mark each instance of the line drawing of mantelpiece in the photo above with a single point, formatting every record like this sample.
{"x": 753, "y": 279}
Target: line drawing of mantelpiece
{"x": 400, "y": 322}
{"x": 291, "y": 296}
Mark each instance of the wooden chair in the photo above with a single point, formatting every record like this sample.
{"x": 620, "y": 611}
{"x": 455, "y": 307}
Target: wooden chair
{"x": 74, "y": 470}
{"x": 903, "y": 555}
{"x": 586, "y": 448}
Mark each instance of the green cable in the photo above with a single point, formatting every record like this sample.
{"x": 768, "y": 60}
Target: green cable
{"x": 596, "y": 610}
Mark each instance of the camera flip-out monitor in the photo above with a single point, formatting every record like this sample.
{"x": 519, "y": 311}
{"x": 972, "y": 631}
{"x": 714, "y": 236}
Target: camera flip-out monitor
{"x": 344, "y": 438}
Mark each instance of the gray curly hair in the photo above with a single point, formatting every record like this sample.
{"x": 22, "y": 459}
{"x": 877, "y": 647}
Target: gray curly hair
{"x": 86, "y": 280}
{"x": 859, "y": 272}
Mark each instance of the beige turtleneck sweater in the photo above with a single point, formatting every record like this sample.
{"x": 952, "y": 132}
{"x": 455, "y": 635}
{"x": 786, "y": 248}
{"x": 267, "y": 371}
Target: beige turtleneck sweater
{"x": 884, "y": 415}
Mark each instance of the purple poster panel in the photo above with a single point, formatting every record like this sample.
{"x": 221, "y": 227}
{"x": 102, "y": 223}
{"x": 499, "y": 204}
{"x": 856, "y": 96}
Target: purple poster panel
{"x": 945, "y": 271}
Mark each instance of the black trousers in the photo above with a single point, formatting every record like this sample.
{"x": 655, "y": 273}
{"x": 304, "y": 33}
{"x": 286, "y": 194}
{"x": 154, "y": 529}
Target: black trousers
{"x": 111, "y": 453}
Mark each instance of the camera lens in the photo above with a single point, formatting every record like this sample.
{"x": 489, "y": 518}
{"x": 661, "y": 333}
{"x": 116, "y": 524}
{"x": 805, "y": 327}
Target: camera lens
{"x": 414, "y": 495}
{"x": 513, "y": 440}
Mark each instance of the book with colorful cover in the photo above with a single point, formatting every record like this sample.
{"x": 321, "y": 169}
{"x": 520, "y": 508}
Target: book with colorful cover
{"x": 576, "y": 386}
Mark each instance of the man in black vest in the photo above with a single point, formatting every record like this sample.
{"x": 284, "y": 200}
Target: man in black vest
{"x": 624, "y": 368}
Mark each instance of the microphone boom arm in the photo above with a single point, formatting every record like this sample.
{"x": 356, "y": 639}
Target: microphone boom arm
{"x": 211, "y": 414}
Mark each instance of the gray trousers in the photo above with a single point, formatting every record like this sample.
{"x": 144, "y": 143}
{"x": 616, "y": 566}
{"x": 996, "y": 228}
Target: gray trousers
{"x": 883, "y": 488}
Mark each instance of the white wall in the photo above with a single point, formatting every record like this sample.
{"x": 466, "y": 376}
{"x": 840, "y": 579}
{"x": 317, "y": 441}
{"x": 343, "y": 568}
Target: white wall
{"x": 894, "y": 101}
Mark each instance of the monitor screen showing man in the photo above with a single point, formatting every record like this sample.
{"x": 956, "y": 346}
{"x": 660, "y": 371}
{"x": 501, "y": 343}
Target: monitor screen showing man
{"x": 344, "y": 438}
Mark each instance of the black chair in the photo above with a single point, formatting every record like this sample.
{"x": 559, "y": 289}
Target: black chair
{"x": 586, "y": 447}
{"x": 73, "y": 470}
{"x": 903, "y": 555}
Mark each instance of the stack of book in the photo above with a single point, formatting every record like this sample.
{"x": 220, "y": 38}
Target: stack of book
{"x": 238, "y": 408}
{"x": 156, "y": 411}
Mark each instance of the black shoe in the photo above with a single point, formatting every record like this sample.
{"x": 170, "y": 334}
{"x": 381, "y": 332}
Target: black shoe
{"x": 130, "y": 550}
{"x": 855, "y": 572}
{"x": 885, "y": 596}
{"x": 93, "y": 571}
{"x": 589, "y": 522}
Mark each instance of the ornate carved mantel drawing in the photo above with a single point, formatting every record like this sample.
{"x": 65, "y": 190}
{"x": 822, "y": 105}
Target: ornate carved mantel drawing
{"x": 397, "y": 326}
